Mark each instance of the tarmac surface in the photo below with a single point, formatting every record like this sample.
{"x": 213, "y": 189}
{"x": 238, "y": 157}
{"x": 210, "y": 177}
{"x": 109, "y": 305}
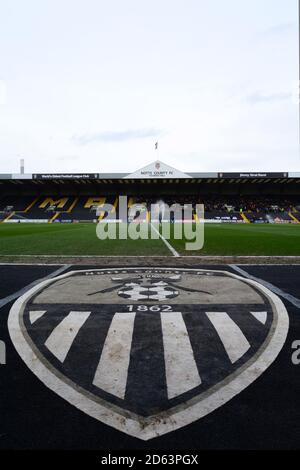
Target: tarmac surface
{"x": 264, "y": 415}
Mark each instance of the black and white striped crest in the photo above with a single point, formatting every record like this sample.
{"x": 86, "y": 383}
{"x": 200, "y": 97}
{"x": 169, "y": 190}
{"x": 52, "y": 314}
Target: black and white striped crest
{"x": 148, "y": 351}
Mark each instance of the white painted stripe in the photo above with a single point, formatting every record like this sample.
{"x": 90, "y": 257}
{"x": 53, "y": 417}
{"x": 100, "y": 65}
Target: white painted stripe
{"x": 61, "y": 339}
{"x": 34, "y": 315}
{"x": 293, "y": 300}
{"x": 260, "y": 316}
{"x": 22, "y": 291}
{"x": 112, "y": 371}
{"x": 181, "y": 369}
{"x": 168, "y": 245}
{"x": 230, "y": 334}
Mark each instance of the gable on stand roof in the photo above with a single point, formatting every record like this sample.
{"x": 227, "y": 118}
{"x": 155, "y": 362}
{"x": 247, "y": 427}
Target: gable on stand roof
{"x": 157, "y": 170}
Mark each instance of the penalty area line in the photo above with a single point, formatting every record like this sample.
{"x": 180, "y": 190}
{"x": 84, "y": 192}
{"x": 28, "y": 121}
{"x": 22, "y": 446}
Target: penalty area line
{"x": 168, "y": 245}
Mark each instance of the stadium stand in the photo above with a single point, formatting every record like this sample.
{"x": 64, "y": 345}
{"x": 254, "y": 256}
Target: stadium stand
{"x": 227, "y": 197}
{"x": 88, "y": 208}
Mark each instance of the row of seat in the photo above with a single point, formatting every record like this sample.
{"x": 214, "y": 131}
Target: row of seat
{"x": 88, "y": 208}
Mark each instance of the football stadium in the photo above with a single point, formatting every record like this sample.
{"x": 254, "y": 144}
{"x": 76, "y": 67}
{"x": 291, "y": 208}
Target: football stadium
{"x": 105, "y": 321}
{"x": 245, "y": 214}
{"x": 150, "y": 238}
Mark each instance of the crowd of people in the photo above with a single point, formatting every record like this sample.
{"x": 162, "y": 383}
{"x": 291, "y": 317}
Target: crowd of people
{"x": 268, "y": 204}
{"x": 252, "y": 204}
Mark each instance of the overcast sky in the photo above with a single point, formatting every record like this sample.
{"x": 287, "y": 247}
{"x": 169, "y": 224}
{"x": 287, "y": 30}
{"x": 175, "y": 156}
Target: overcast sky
{"x": 91, "y": 85}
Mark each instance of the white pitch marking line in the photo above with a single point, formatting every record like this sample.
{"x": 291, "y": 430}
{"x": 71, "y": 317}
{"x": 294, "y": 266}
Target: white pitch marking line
{"x": 168, "y": 245}
{"x": 34, "y": 315}
{"x": 112, "y": 371}
{"x": 61, "y": 339}
{"x": 22, "y": 291}
{"x": 260, "y": 316}
{"x": 181, "y": 370}
{"x": 230, "y": 334}
{"x": 293, "y": 300}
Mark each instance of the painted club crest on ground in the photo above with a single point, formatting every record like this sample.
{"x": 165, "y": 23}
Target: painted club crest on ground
{"x": 148, "y": 351}
{"x": 147, "y": 287}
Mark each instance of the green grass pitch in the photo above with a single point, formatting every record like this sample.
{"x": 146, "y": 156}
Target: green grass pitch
{"x": 80, "y": 239}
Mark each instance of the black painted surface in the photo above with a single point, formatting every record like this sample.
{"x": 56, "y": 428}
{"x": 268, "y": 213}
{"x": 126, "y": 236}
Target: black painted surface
{"x": 264, "y": 416}
{"x": 14, "y": 278}
{"x": 286, "y": 278}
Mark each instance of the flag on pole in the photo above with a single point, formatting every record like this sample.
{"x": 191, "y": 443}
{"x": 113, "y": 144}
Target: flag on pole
{"x": 156, "y": 145}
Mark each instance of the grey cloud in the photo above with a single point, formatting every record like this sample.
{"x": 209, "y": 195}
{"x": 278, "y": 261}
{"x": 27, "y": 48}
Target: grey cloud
{"x": 116, "y": 136}
{"x": 67, "y": 158}
{"x": 258, "y": 97}
{"x": 281, "y": 28}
